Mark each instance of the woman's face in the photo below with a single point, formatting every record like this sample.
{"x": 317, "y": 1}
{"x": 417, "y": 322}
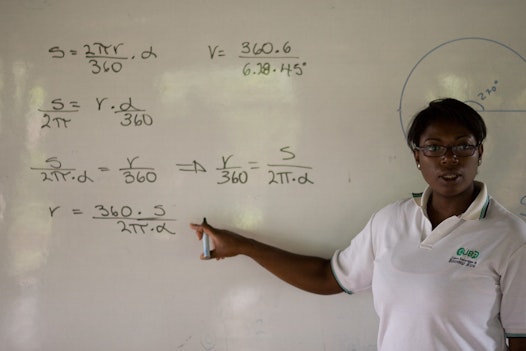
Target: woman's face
{"x": 449, "y": 176}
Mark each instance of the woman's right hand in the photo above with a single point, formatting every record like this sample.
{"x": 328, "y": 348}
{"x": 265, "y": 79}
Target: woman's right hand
{"x": 225, "y": 243}
{"x": 309, "y": 273}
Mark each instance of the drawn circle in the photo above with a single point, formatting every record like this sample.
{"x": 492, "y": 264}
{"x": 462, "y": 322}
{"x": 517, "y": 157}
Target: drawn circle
{"x": 486, "y": 74}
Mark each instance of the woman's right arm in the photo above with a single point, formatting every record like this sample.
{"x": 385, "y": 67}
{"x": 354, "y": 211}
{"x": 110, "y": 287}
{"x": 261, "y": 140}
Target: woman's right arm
{"x": 309, "y": 273}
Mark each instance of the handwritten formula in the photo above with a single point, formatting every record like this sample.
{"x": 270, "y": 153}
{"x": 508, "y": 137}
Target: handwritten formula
{"x": 102, "y": 57}
{"x": 257, "y": 59}
{"x": 127, "y": 218}
{"x": 229, "y": 170}
{"x": 60, "y": 113}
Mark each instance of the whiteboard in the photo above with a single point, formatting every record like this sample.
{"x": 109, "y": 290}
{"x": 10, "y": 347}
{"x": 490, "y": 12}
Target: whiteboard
{"x": 123, "y": 121}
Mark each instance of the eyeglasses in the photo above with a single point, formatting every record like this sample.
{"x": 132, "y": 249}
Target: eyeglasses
{"x": 464, "y": 150}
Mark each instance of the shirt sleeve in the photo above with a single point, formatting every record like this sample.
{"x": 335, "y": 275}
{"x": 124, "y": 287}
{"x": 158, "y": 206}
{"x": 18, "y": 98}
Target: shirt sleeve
{"x": 353, "y": 266}
{"x": 513, "y": 285}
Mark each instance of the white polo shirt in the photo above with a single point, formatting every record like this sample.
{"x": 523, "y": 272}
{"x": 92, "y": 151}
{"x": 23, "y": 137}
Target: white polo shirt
{"x": 460, "y": 286}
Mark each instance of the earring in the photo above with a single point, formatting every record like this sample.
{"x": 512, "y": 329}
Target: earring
{"x": 480, "y": 161}
{"x": 418, "y": 165}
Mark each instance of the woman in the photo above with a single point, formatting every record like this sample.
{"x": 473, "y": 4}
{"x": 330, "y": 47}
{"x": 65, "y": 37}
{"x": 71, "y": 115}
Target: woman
{"x": 447, "y": 267}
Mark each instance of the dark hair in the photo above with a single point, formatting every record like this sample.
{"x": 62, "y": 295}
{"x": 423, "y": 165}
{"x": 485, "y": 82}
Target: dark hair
{"x": 449, "y": 110}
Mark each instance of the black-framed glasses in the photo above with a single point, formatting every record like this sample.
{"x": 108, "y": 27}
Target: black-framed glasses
{"x": 463, "y": 150}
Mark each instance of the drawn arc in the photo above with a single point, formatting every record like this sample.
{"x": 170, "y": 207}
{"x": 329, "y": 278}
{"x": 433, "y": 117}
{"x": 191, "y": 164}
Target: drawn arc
{"x": 435, "y": 49}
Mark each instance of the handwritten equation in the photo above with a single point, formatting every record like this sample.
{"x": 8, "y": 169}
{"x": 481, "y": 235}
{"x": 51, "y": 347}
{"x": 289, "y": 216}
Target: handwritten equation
{"x": 60, "y": 113}
{"x": 101, "y": 57}
{"x": 128, "y": 219}
{"x": 258, "y": 59}
{"x": 230, "y": 171}
{"x": 264, "y": 59}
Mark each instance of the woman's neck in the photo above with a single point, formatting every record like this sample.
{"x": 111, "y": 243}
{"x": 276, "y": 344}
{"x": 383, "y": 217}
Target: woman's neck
{"x": 440, "y": 208}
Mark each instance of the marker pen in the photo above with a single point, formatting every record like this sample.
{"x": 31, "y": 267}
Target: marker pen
{"x": 206, "y": 243}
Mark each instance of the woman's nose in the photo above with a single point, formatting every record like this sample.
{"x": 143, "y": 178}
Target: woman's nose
{"x": 449, "y": 157}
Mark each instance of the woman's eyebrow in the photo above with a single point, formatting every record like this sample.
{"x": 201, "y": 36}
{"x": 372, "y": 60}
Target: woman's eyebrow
{"x": 464, "y": 136}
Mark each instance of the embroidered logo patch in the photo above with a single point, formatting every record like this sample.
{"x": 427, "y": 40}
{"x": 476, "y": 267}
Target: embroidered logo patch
{"x": 465, "y": 257}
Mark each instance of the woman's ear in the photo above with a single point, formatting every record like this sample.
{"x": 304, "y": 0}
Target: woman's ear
{"x": 481, "y": 150}
{"x": 416, "y": 155}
